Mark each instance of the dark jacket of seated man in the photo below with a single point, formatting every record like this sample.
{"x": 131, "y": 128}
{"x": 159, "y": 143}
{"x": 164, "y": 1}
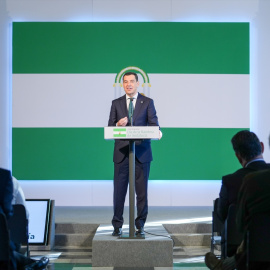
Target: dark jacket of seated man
{"x": 6, "y": 196}
{"x": 17, "y": 261}
{"x": 248, "y": 150}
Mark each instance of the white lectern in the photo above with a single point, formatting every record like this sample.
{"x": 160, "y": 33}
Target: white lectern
{"x": 131, "y": 133}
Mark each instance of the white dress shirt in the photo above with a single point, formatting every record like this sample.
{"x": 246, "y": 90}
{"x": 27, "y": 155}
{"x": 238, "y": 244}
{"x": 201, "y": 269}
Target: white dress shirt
{"x": 134, "y": 100}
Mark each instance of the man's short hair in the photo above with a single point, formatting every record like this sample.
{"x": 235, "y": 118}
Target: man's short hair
{"x": 246, "y": 144}
{"x": 131, "y": 73}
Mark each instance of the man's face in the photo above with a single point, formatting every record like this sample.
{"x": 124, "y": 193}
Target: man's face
{"x": 130, "y": 85}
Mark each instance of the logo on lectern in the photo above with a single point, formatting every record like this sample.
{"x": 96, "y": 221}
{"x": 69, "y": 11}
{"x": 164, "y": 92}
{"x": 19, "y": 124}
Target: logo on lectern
{"x": 119, "y": 132}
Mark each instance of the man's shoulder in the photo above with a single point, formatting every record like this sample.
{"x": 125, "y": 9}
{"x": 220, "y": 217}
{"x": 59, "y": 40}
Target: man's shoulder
{"x": 259, "y": 165}
{"x": 239, "y": 174}
{"x": 119, "y": 99}
{"x": 242, "y": 172}
{"x": 257, "y": 179}
{"x": 5, "y": 174}
{"x": 264, "y": 174}
{"x": 142, "y": 96}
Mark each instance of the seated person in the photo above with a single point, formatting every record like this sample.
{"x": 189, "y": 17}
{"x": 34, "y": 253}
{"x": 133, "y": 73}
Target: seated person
{"x": 18, "y": 195}
{"x": 249, "y": 152}
{"x": 18, "y": 198}
{"x": 254, "y": 198}
{"x": 17, "y": 260}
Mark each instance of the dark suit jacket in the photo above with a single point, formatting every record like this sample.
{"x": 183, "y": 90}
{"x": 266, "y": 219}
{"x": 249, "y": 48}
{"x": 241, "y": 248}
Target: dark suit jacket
{"x": 6, "y": 192}
{"x": 254, "y": 197}
{"x": 6, "y": 195}
{"x": 144, "y": 115}
{"x": 231, "y": 184}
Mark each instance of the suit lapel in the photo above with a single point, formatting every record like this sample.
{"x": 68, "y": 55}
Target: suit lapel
{"x": 123, "y": 105}
{"x": 139, "y": 104}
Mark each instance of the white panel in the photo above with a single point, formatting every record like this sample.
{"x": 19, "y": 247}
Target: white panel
{"x": 5, "y": 89}
{"x": 131, "y": 11}
{"x": 260, "y": 59}
{"x": 84, "y": 100}
{"x": 188, "y": 193}
{"x": 65, "y": 193}
{"x": 50, "y": 10}
{"x": 182, "y": 10}
{"x": 160, "y": 193}
{"x": 214, "y": 11}
{"x": 100, "y": 193}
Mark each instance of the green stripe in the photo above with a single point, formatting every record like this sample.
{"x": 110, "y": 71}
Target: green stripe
{"x": 119, "y": 129}
{"x": 155, "y": 47}
{"x": 82, "y": 153}
{"x": 119, "y": 135}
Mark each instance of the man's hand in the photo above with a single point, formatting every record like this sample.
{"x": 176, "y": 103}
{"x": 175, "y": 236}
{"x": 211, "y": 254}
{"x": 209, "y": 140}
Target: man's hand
{"x": 160, "y": 135}
{"x": 122, "y": 122}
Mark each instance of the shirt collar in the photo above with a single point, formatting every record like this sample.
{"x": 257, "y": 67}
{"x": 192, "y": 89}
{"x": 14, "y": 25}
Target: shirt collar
{"x": 135, "y": 97}
{"x": 257, "y": 159}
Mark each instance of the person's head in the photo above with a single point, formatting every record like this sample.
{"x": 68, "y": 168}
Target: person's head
{"x": 247, "y": 146}
{"x": 130, "y": 83}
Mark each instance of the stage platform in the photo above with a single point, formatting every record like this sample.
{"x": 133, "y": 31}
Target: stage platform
{"x": 189, "y": 227}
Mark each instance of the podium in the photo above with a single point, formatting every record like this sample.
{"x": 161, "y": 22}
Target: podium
{"x": 136, "y": 251}
{"x": 131, "y": 133}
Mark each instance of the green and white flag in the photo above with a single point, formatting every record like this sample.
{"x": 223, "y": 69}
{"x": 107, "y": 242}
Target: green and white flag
{"x": 119, "y": 133}
{"x": 65, "y": 76}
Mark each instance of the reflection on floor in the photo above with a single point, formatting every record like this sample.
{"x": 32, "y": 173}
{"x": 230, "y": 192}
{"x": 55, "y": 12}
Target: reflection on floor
{"x": 80, "y": 258}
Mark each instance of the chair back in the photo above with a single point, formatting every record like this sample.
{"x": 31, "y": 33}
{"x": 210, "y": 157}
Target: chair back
{"x": 258, "y": 238}
{"x": 232, "y": 234}
{"x": 217, "y": 224}
{"x": 18, "y": 226}
{"x": 4, "y": 238}
{"x": 217, "y": 227}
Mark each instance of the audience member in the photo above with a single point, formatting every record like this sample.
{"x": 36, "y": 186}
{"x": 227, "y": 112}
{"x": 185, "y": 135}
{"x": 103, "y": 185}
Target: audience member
{"x": 18, "y": 198}
{"x": 248, "y": 150}
{"x": 254, "y": 198}
{"x": 18, "y": 195}
{"x": 17, "y": 260}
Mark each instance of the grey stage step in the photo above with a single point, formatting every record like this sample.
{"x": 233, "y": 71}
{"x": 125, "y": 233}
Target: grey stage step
{"x": 74, "y": 234}
{"x": 81, "y": 235}
{"x": 190, "y": 234}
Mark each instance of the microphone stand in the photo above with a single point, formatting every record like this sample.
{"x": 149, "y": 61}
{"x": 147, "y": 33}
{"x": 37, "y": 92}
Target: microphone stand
{"x": 131, "y": 184}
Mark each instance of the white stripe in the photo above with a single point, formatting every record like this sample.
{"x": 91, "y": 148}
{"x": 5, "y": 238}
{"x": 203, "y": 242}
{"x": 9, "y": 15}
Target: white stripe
{"x": 120, "y": 132}
{"x": 87, "y": 192}
{"x": 84, "y": 100}
{"x": 62, "y": 100}
{"x": 201, "y": 100}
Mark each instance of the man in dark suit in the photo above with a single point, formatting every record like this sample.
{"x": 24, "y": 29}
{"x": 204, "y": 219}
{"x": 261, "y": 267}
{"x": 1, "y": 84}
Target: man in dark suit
{"x": 249, "y": 152}
{"x": 6, "y": 192}
{"x": 6, "y": 195}
{"x": 253, "y": 198}
{"x": 144, "y": 115}
{"x": 17, "y": 260}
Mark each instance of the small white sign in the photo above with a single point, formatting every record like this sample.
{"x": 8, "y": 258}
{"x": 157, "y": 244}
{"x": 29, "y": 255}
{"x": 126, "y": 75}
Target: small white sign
{"x": 148, "y": 132}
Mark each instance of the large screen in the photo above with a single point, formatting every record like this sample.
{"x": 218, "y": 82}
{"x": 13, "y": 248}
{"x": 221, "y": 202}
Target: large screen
{"x": 66, "y": 74}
